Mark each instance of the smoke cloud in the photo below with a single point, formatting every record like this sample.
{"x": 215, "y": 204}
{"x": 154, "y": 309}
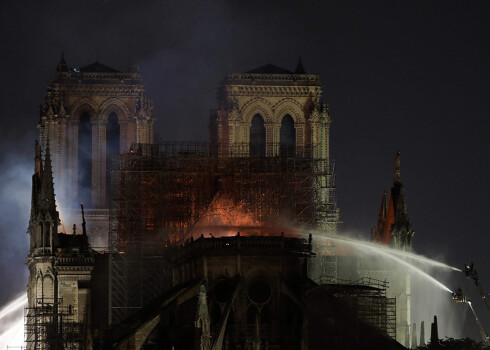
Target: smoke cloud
{"x": 15, "y": 195}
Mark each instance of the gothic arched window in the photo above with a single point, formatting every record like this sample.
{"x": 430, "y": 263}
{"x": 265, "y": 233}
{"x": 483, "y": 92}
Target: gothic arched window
{"x": 112, "y": 147}
{"x": 287, "y": 143}
{"x": 257, "y": 137}
{"x": 85, "y": 159}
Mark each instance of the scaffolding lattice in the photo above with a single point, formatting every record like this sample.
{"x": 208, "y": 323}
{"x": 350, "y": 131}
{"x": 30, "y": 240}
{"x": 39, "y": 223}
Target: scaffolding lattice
{"x": 51, "y": 325}
{"x": 160, "y": 192}
{"x": 371, "y": 304}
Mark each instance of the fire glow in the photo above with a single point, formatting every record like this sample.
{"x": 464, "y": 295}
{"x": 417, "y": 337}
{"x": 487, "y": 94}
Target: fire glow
{"x": 226, "y": 218}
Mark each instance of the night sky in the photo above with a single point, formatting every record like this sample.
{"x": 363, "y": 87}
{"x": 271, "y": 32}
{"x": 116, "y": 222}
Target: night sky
{"x": 398, "y": 75}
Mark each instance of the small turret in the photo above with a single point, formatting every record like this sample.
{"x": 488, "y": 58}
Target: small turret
{"x": 396, "y": 178}
{"x": 38, "y": 160}
{"x": 379, "y": 229}
{"x": 44, "y": 220}
{"x": 48, "y": 201}
{"x": 62, "y": 66}
{"x": 414, "y": 336}
{"x": 300, "y": 69}
{"x": 434, "y": 332}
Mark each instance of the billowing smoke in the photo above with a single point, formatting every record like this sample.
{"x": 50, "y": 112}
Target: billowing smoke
{"x": 15, "y": 201}
{"x": 15, "y": 195}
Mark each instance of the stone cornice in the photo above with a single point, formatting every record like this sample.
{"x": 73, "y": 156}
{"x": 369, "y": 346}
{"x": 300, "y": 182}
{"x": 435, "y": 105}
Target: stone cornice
{"x": 34, "y": 259}
{"x": 98, "y": 76}
{"x": 272, "y": 91}
{"x": 105, "y": 90}
{"x": 73, "y": 269}
{"x": 254, "y": 78}
{"x": 75, "y": 277}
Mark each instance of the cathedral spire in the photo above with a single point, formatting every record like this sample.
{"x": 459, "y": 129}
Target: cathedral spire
{"x": 380, "y": 227}
{"x": 382, "y": 210}
{"x": 36, "y": 185}
{"x": 48, "y": 202}
{"x": 300, "y": 69}
{"x": 396, "y": 178}
{"x": 62, "y": 66}
{"x": 37, "y": 159}
{"x": 393, "y": 226}
{"x": 44, "y": 220}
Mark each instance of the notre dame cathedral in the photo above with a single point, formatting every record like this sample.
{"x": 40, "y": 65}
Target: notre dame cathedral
{"x": 198, "y": 246}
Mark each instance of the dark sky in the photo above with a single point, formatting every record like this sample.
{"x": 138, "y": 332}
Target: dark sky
{"x": 408, "y": 75}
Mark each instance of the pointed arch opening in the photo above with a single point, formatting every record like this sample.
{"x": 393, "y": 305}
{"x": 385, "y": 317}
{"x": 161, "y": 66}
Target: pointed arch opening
{"x": 112, "y": 147}
{"x": 257, "y": 137}
{"x": 287, "y": 140}
{"x": 85, "y": 159}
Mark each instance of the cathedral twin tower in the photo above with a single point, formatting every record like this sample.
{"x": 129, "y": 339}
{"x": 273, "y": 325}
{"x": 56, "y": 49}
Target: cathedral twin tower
{"x": 95, "y": 112}
{"x": 89, "y": 115}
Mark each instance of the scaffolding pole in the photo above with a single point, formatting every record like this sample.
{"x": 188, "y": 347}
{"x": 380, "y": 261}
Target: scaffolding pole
{"x": 51, "y": 325}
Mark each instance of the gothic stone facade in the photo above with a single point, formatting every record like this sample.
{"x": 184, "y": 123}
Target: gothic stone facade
{"x": 89, "y": 115}
{"x": 274, "y": 112}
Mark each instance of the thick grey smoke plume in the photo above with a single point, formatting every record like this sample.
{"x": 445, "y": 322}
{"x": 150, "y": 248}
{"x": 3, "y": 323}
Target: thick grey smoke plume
{"x": 15, "y": 201}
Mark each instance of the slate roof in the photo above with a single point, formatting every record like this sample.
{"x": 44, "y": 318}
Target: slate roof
{"x": 98, "y": 67}
{"x": 270, "y": 69}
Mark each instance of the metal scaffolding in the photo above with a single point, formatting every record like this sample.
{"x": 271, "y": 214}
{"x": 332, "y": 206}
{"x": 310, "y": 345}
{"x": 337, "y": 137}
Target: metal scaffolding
{"x": 368, "y": 298}
{"x": 51, "y": 325}
{"x": 162, "y": 192}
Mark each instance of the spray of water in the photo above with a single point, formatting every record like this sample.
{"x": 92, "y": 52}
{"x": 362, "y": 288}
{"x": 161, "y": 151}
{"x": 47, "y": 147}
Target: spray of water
{"x": 408, "y": 255}
{"x": 363, "y": 246}
{"x": 13, "y": 306}
{"x": 14, "y": 336}
{"x": 12, "y": 323}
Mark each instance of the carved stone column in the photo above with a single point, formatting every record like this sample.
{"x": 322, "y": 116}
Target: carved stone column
{"x": 269, "y": 140}
{"x": 130, "y": 136}
{"x": 326, "y": 138}
{"x": 276, "y": 139}
{"x": 98, "y": 164}
{"x": 61, "y": 177}
{"x": 123, "y": 137}
{"x": 316, "y": 140}
{"x": 150, "y": 129}
{"x": 72, "y": 161}
{"x": 236, "y": 145}
{"x": 140, "y": 130}
{"x": 300, "y": 139}
{"x": 245, "y": 137}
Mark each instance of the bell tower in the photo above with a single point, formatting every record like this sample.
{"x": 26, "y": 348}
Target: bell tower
{"x": 90, "y": 115}
{"x": 273, "y": 112}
